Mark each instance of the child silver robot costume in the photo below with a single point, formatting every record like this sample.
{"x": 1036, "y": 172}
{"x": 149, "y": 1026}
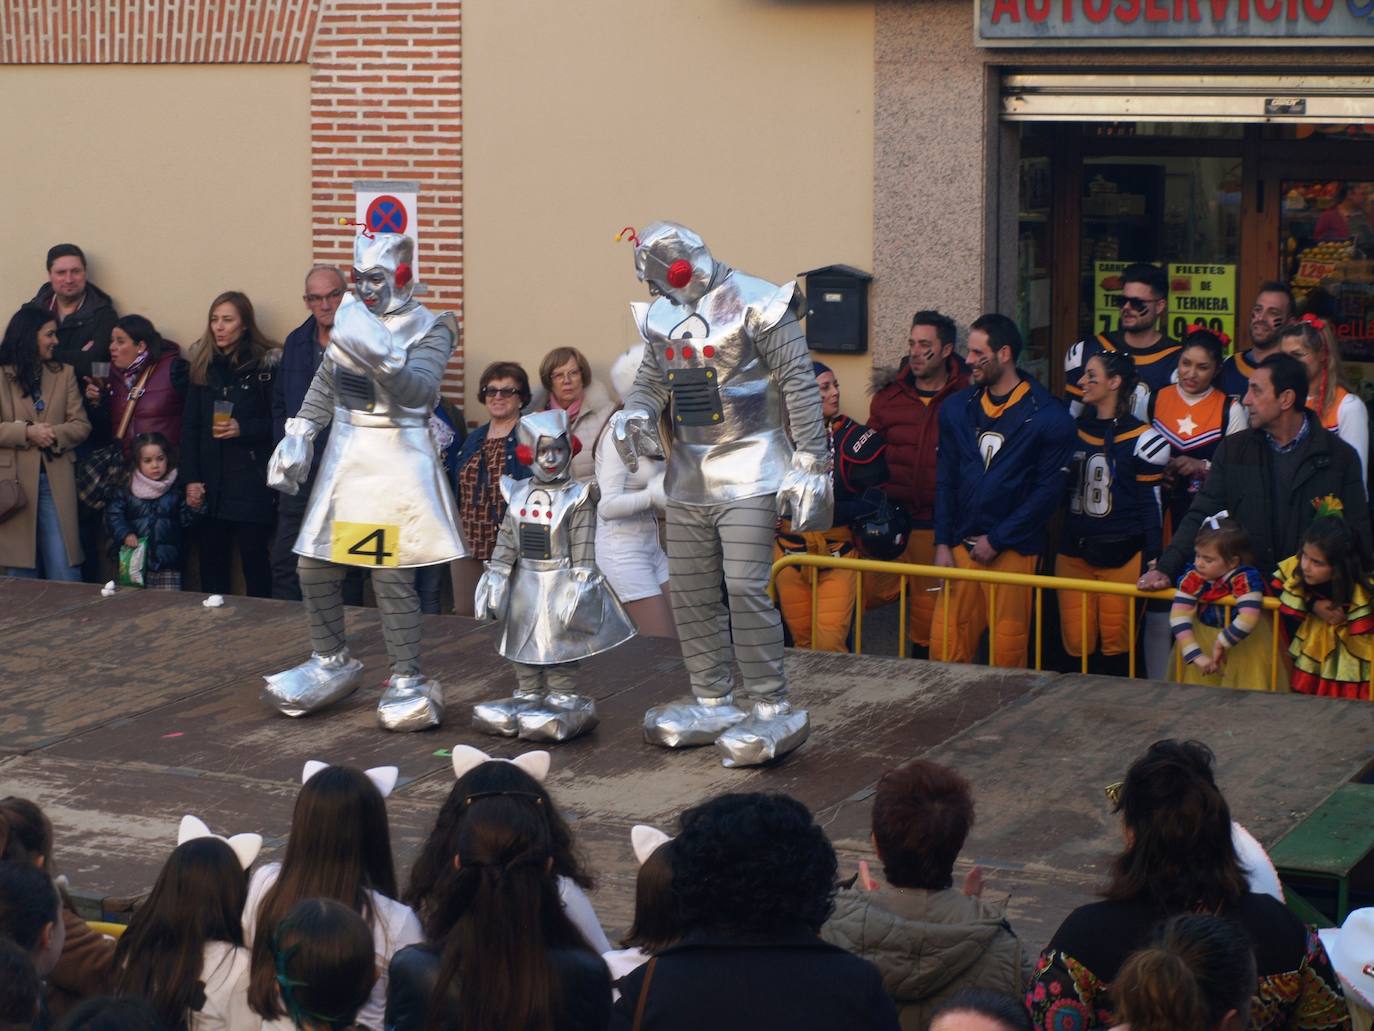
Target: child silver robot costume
{"x": 725, "y": 350}
{"x": 380, "y": 499}
{"x": 542, "y": 582}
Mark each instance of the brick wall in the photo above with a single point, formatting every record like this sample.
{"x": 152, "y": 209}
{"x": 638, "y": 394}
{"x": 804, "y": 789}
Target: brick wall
{"x": 385, "y": 94}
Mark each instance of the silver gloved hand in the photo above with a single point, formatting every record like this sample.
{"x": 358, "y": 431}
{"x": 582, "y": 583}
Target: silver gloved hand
{"x": 360, "y": 341}
{"x": 289, "y": 465}
{"x": 807, "y": 493}
{"x": 633, "y": 432}
{"x": 489, "y": 600}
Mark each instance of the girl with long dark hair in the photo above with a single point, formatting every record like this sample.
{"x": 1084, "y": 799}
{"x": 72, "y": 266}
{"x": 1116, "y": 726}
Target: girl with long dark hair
{"x": 183, "y": 951}
{"x": 432, "y": 878}
{"x": 503, "y": 955}
{"x": 1198, "y": 974}
{"x": 1111, "y": 531}
{"x": 42, "y": 420}
{"x": 1178, "y": 857}
{"x": 325, "y": 965}
{"x": 339, "y": 848}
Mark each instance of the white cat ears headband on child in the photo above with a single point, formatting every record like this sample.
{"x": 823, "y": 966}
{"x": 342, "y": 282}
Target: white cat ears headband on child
{"x": 382, "y": 776}
{"x": 646, "y": 841}
{"x": 245, "y": 846}
{"x": 465, "y": 758}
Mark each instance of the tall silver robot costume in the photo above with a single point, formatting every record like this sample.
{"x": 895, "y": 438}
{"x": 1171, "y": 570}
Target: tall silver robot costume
{"x": 543, "y": 584}
{"x": 380, "y": 498}
{"x": 726, "y": 352}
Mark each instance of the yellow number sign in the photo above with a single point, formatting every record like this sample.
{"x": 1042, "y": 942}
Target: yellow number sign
{"x": 364, "y": 544}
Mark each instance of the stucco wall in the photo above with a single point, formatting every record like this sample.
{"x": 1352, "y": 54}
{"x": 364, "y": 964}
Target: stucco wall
{"x": 179, "y": 182}
{"x": 749, "y": 120}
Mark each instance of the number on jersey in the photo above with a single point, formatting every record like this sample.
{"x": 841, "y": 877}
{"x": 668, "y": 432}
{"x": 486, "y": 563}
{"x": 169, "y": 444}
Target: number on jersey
{"x": 1093, "y": 495}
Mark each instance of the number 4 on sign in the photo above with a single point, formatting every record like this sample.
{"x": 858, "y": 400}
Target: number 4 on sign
{"x": 364, "y": 544}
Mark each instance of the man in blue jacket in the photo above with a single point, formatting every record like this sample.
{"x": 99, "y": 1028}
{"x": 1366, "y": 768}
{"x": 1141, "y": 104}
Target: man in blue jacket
{"x": 1005, "y": 447}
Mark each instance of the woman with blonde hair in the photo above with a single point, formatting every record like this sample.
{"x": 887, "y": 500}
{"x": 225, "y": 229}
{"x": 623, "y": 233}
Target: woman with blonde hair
{"x": 567, "y": 382}
{"x": 1312, "y": 341}
{"x": 226, "y": 441}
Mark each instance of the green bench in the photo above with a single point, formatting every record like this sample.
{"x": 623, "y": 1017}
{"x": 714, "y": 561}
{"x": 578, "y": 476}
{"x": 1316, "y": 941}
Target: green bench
{"x": 1330, "y": 843}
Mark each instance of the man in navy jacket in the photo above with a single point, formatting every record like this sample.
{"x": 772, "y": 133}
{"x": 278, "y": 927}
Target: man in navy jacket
{"x": 1005, "y": 447}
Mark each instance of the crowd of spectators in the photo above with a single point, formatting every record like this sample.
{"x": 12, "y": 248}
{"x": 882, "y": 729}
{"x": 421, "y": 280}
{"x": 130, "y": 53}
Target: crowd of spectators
{"x": 743, "y": 919}
{"x": 112, "y": 441}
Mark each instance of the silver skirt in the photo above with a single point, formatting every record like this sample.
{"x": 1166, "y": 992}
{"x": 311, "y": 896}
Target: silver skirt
{"x": 533, "y": 635}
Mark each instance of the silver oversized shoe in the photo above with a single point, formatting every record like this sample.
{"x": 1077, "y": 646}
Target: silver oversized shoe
{"x": 561, "y": 717}
{"x": 689, "y": 724}
{"x": 318, "y": 681}
{"x": 501, "y": 716}
{"x": 411, "y": 703}
{"x": 772, "y": 730}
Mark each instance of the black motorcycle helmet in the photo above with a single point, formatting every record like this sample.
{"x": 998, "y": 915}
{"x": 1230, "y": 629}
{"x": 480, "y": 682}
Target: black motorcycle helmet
{"x": 884, "y": 531}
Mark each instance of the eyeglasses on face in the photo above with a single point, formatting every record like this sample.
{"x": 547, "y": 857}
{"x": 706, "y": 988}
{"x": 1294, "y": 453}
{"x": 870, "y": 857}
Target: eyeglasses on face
{"x": 1136, "y": 304}
{"x": 501, "y": 392}
{"x": 333, "y": 295}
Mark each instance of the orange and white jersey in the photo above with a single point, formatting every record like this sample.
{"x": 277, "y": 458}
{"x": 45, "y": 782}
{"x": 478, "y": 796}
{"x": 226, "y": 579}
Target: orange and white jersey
{"x": 1194, "y": 425}
{"x": 1348, "y": 418}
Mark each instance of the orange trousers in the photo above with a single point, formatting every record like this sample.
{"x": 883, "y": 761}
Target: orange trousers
{"x": 921, "y": 592}
{"x": 961, "y": 614}
{"x": 1083, "y": 617}
{"x": 834, "y": 593}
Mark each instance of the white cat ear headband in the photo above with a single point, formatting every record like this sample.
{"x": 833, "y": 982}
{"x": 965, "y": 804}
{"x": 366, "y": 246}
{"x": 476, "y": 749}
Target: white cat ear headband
{"x": 382, "y": 776}
{"x": 245, "y": 846}
{"x": 465, "y": 758}
{"x": 646, "y": 841}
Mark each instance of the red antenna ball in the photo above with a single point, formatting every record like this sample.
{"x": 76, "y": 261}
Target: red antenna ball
{"x": 679, "y": 274}
{"x": 576, "y": 447}
{"x": 524, "y": 455}
{"x": 403, "y": 274}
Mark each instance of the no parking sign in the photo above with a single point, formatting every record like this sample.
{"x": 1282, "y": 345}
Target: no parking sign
{"x": 388, "y": 206}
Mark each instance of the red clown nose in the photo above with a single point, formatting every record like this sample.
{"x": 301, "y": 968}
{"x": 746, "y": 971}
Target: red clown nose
{"x": 524, "y": 455}
{"x": 679, "y": 274}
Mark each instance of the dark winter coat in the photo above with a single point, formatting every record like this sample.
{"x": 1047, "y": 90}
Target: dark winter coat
{"x": 911, "y": 427}
{"x": 733, "y": 984}
{"x": 162, "y": 405}
{"x": 162, "y": 520}
{"x": 1242, "y": 484}
{"x": 582, "y": 976}
{"x": 91, "y": 324}
{"x": 234, "y": 471}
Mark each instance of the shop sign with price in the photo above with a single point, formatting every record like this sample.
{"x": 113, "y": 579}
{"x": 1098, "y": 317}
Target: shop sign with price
{"x": 1204, "y": 293}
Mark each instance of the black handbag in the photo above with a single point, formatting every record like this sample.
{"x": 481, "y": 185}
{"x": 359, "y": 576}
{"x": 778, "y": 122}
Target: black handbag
{"x": 103, "y": 473}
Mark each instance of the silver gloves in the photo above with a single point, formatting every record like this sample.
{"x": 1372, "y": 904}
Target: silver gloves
{"x": 634, "y": 433}
{"x": 489, "y": 600}
{"x": 289, "y": 465}
{"x": 807, "y": 493}
{"x": 361, "y": 343}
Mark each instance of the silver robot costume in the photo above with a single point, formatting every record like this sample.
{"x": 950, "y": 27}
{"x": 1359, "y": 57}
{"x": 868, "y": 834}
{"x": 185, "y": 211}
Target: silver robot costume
{"x": 542, "y": 582}
{"x": 380, "y": 498}
{"x": 725, "y": 353}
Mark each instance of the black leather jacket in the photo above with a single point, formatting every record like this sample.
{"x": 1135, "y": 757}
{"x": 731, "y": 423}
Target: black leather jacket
{"x": 584, "y": 978}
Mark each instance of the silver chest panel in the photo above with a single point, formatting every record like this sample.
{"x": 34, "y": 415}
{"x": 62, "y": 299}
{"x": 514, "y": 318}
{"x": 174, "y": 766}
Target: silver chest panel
{"x": 727, "y": 409}
{"x": 380, "y": 468}
{"x": 538, "y": 584}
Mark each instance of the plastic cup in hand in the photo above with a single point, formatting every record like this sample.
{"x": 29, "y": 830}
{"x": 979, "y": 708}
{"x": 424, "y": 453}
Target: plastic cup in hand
{"x": 224, "y": 411}
{"x": 100, "y": 372}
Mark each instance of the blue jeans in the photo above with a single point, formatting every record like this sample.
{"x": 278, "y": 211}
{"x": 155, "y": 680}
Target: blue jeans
{"x": 52, "y": 550}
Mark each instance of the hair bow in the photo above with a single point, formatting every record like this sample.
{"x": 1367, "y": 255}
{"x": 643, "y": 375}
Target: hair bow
{"x": 1329, "y": 505}
{"x": 1213, "y": 522}
{"x": 1316, "y": 322}
{"x": 1198, "y": 327}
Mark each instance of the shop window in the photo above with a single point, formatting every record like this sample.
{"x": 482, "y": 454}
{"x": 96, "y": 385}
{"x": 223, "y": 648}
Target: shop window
{"x": 1181, "y": 213}
{"x": 1327, "y": 238}
{"x": 1034, "y": 243}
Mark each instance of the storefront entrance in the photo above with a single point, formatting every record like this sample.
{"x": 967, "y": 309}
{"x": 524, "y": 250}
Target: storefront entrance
{"x": 1221, "y": 195}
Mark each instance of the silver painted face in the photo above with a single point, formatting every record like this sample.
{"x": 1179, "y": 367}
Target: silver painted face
{"x": 373, "y": 287}
{"x": 552, "y": 458}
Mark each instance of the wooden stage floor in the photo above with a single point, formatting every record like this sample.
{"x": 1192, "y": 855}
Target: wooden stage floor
{"x": 119, "y": 715}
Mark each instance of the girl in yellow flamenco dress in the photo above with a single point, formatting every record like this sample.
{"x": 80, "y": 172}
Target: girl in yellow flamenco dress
{"x": 1327, "y": 603}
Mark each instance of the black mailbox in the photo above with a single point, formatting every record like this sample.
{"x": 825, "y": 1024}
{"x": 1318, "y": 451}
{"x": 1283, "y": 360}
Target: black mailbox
{"x": 837, "y": 309}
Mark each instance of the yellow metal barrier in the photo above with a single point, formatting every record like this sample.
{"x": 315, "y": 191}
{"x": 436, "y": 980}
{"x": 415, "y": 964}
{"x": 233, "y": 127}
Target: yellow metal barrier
{"x": 1037, "y": 582}
{"x": 104, "y": 927}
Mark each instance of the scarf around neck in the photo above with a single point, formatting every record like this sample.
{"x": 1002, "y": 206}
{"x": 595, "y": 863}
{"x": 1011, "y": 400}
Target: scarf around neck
{"x": 135, "y": 367}
{"x": 142, "y": 487}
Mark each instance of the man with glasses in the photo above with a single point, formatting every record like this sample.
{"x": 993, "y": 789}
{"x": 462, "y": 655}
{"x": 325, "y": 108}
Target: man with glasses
{"x": 1274, "y": 309}
{"x": 1144, "y": 297}
{"x": 301, "y": 356}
